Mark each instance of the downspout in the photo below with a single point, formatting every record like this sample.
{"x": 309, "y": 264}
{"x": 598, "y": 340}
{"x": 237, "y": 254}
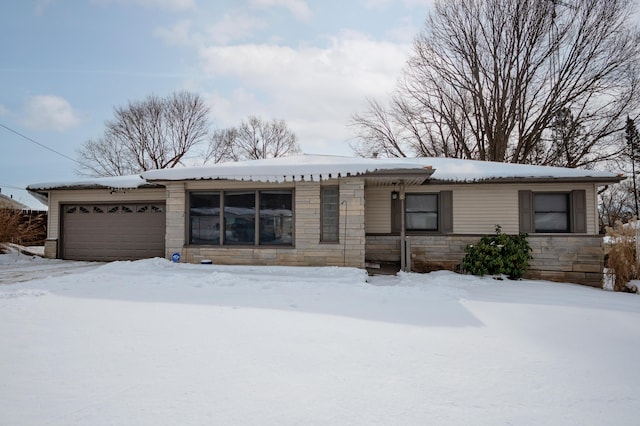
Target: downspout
{"x": 403, "y": 234}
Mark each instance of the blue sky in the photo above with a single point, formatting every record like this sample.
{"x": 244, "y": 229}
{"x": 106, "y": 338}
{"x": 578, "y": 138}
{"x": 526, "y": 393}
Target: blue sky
{"x": 66, "y": 64}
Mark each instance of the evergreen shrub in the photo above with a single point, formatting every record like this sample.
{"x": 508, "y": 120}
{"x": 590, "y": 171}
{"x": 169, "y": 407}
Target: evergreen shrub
{"x": 498, "y": 254}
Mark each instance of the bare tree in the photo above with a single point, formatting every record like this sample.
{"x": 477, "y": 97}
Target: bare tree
{"x": 253, "y": 139}
{"x": 155, "y": 133}
{"x": 632, "y": 152}
{"x": 222, "y": 146}
{"x": 489, "y": 80}
{"x": 616, "y": 204}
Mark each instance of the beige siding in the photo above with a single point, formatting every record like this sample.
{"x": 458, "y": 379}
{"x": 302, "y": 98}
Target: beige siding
{"x": 477, "y": 208}
{"x": 92, "y": 196}
{"x": 176, "y": 218}
{"x": 377, "y": 212}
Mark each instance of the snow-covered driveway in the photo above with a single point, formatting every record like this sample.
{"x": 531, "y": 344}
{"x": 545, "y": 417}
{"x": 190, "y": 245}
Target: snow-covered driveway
{"x": 17, "y": 267}
{"x": 156, "y": 343}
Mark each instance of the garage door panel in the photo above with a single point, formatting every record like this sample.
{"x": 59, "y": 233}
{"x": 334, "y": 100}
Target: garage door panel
{"x": 106, "y": 232}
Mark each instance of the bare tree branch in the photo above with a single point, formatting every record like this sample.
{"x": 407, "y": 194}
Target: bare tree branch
{"x": 155, "y": 133}
{"x": 487, "y": 79}
{"x": 253, "y": 139}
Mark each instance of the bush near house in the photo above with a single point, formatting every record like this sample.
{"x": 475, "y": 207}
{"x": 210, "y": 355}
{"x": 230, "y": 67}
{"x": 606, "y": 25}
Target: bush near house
{"x": 498, "y": 254}
{"x": 20, "y": 227}
{"x": 622, "y": 261}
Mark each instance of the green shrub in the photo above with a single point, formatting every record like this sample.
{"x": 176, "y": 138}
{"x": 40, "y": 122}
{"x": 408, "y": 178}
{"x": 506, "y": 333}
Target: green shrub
{"x": 498, "y": 254}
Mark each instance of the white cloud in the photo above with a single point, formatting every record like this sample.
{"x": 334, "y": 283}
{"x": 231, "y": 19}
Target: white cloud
{"x": 168, "y": 4}
{"x": 234, "y": 26}
{"x": 47, "y": 112}
{"x": 3, "y": 110}
{"x": 159, "y": 4}
{"x": 315, "y": 89}
{"x": 386, "y": 4}
{"x": 298, "y": 8}
{"x": 176, "y": 35}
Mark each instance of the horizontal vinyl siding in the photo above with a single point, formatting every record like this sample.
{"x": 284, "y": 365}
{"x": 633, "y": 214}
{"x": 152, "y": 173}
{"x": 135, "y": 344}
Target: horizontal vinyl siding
{"x": 93, "y": 196}
{"x": 477, "y": 208}
{"x": 377, "y": 213}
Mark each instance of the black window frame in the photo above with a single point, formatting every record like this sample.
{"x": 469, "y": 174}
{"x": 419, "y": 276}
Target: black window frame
{"x": 216, "y": 225}
{"x": 251, "y": 234}
{"x": 275, "y": 219}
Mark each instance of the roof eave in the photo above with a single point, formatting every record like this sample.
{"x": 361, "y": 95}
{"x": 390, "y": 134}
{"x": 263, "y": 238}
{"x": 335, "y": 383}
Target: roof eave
{"x": 40, "y": 195}
{"x": 93, "y": 186}
{"x": 588, "y": 179}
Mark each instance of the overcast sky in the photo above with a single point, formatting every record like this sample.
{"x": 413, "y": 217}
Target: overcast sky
{"x": 66, "y": 64}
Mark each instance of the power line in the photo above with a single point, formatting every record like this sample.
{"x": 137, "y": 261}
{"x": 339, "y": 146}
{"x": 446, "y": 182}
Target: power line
{"x": 2, "y": 185}
{"x": 39, "y": 144}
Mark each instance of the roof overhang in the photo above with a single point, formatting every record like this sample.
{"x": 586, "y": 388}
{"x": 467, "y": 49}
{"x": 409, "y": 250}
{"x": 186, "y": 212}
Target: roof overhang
{"x": 389, "y": 177}
{"x": 42, "y": 196}
{"x": 42, "y": 193}
{"x": 601, "y": 181}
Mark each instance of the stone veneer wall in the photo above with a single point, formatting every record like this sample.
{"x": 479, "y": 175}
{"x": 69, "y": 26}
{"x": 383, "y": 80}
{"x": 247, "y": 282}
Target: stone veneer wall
{"x": 562, "y": 258}
{"x": 308, "y": 250}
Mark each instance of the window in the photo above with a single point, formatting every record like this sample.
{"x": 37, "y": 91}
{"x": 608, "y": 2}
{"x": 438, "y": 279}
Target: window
{"x": 548, "y": 212}
{"x": 330, "y": 213}
{"x": 276, "y": 217}
{"x": 431, "y": 212}
{"x": 237, "y": 213}
{"x": 204, "y": 218}
{"x": 240, "y": 217}
{"x": 421, "y": 212}
{"x": 551, "y": 212}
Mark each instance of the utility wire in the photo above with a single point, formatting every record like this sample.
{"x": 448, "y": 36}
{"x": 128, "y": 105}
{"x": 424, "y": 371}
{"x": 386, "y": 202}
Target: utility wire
{"x": 39, "y": 144}
{"x": 10, "y": 186}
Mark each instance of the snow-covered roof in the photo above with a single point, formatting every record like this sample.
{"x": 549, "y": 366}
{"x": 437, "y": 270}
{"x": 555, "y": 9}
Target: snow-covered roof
{"x": 320, "y": 167}
{"x": 293, "y": 168}
{"x": 458, "y": 170}
{"x": 9, "y": 202}
{"x": 314, "y": 167}
{"x": 111, "y": 182}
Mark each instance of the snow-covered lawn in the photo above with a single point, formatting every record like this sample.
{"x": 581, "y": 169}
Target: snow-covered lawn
{"x": 157, "y": 343}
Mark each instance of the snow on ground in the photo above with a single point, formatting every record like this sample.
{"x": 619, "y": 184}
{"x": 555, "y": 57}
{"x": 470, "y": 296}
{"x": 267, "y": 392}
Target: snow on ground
{"x": 157, "y": 343}
{"x": 22, "y": 263}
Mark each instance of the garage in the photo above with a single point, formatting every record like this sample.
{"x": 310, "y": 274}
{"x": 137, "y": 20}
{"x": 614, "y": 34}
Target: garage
{"x": 107, "y": 232}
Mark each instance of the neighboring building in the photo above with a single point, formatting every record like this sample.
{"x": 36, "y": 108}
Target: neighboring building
{"x": 328, "y": 210}
{"x": 21, "y": 224}
{"x": 10, "y": 203}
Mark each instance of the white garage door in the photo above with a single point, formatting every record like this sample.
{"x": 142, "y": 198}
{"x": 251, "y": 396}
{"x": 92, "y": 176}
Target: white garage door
{"x": 107, "y": 232}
